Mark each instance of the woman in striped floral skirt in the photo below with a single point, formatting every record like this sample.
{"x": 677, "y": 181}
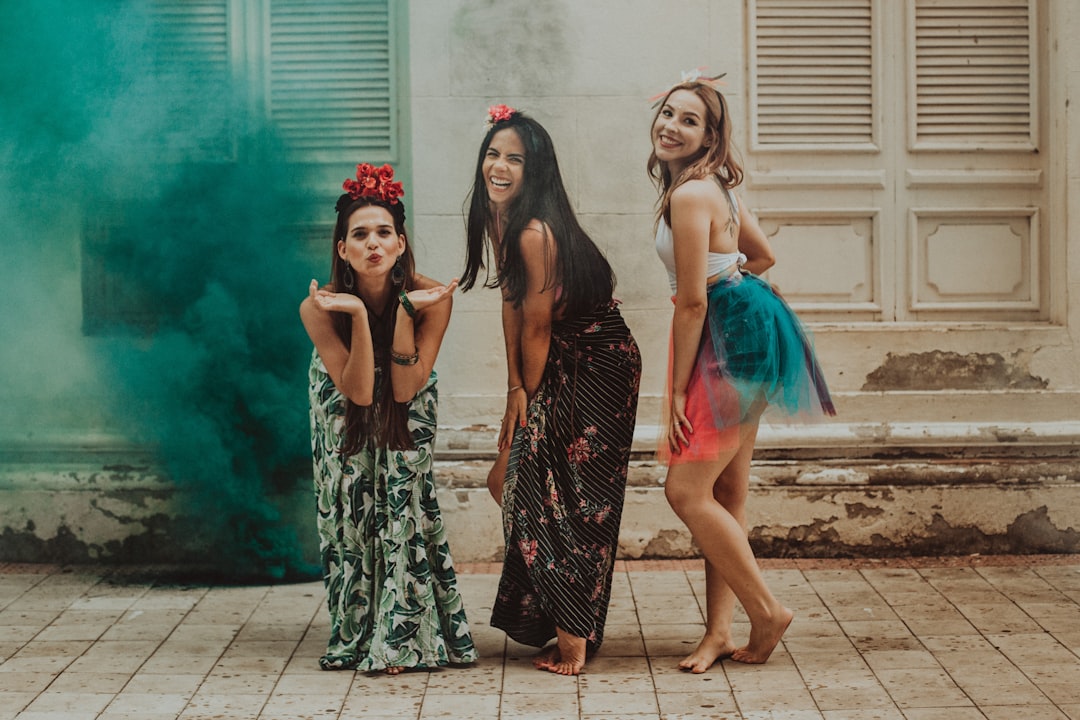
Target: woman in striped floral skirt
{"x": 573, "y": 371}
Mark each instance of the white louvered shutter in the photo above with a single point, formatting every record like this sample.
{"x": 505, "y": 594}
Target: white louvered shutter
{"x": 812, "y": 74}
{"x": 189, "y": 78}
{"x": 331, "y": 79}
{"x": 973, "y": 84}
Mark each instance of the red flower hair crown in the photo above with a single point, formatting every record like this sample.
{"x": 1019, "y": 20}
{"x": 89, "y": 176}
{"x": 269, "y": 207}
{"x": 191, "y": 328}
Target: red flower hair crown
{"x": 498, "y": 113}
{"x": 375, "y": 183}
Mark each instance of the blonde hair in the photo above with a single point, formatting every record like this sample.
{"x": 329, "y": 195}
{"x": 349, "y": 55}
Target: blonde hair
{"x": 720, "y": 158}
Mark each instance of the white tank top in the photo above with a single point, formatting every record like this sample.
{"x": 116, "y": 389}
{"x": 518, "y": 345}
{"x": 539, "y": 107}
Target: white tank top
{"x": 715, "y": 262}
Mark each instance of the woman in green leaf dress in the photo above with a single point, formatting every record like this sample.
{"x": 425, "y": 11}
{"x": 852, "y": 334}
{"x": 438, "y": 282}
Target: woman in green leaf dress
{"x": 377, "y": 328}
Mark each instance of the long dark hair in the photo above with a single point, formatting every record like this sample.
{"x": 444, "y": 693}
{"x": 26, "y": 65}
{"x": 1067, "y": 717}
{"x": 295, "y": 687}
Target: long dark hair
{"x": 720, "y": 158}
{"x": 384, "y": 422}
{"x": 581, "y": 270}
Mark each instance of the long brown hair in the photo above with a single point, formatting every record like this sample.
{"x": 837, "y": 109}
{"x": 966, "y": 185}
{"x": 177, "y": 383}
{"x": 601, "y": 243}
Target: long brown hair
{"x": 720, "y": 158}
{"x": 385, "y": 422}
{"x": 582, "y": 273}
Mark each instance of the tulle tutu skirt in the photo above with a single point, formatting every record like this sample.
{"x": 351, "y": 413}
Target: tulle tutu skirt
{"x": 755, "y": 355}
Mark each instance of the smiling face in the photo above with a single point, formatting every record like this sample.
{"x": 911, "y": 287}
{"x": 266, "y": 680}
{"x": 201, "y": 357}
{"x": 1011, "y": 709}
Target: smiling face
{"x": 371, "y": 245}
{"x": 679, "y": 132}
{"x": 504, "y": 167}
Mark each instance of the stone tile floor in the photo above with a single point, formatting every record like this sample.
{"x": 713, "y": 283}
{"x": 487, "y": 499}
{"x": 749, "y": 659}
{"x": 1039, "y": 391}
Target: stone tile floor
{"x": 917, "y": 639}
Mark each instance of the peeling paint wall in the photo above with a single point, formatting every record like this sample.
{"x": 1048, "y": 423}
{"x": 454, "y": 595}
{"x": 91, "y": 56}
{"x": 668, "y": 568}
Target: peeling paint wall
{"x": 832, "y": 509}
{"x": 111, "y": 513}
{"x": 939, "y": 370}
{"x": 852, "y": 508}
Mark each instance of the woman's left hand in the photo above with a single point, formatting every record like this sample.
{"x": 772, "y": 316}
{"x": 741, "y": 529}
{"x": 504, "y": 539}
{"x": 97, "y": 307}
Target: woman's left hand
{"x": 425, "y": 298}
{"x": 679, "y": 428}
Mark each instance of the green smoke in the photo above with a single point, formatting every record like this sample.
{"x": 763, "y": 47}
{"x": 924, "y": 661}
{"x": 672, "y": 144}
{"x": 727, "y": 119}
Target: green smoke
{"x": 202, "y": 356}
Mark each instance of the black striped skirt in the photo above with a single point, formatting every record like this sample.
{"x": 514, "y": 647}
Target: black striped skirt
{"x": 565, "y": 482}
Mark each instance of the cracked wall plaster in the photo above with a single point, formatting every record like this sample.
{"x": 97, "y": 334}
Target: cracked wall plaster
{"x": 939, "y": 370}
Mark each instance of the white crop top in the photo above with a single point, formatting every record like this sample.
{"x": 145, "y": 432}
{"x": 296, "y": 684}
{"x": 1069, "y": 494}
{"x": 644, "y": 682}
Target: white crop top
{"x": 715, "y": 262}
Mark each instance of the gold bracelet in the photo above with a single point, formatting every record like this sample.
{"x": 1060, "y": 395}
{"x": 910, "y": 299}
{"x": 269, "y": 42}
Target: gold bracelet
{"x": 516, "y": 387}
{"x": 400, "y": 359}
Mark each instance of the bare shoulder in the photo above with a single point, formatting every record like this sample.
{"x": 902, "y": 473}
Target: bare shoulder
{"x": 535, "y": 231}
{"x": 307, "y": 308}
{"x": 316, "y": 321}
{"x": 538, "y": 250}
{"x": 535, "y": 237}
{"x": 695, "y": 192}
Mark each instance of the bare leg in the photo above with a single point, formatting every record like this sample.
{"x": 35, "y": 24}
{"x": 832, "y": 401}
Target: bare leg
{"x": 723, "y": 541}
{"x": 570, "y": 655}
{"x": 730, "y": 490}
{"x": 497, "y": 475}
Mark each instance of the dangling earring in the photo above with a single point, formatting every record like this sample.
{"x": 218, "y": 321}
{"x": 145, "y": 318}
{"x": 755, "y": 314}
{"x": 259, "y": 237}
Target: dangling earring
{"x": 347, "y": 274}
{"x": 397, "y": 275}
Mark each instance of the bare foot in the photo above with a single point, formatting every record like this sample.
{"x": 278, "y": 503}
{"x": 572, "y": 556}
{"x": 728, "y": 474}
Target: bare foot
{"x": 571, "y": 654}
{"x": 546, "y": 658}
{"x": 393, "y": 669}
{"x": 709, "y": 650}
{"x": 763, "y": 639}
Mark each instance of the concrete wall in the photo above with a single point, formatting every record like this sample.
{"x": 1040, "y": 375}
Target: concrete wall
{"x": 952, "y": 413}
{"x": 952, "y": 437}
{"x": 585, "y": 70}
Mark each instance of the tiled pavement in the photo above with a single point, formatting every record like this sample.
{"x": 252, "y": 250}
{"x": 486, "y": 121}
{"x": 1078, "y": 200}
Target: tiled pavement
{"x": 927, "y": 639}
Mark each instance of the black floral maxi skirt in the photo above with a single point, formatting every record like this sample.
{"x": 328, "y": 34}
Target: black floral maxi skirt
{"x": 565, "y": 483}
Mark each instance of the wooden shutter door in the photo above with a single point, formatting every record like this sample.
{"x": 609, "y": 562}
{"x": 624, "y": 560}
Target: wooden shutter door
{"x": 331, "y": 79}
{"x": 973, "y": 175}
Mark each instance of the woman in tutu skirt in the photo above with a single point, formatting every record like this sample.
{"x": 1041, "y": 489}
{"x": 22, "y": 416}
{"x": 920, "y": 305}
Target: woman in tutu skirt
{"x": 737, "y": 349}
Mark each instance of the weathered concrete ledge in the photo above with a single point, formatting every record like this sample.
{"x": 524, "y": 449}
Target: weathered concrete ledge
{"x": 831, "y": 508}
{"x": 841, "y": 491}
{"x": 845, "y": 440}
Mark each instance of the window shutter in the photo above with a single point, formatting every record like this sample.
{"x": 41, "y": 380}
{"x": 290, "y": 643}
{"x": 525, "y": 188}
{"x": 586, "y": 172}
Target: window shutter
{"x": 331, "y": 89}
{"x": 189, "y": 74}
{"x": 812, "y": 72}
{"x": 973, "y": 74}
{"x": 111, "y": 302}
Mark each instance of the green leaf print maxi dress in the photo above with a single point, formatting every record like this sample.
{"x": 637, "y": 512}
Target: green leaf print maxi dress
{"x": 391, "y": 588}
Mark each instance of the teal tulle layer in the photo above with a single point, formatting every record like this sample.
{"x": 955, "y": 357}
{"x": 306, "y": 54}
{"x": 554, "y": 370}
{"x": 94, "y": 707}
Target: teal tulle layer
{"x": 761, "y": 349}
{"x": 755, "y": 359}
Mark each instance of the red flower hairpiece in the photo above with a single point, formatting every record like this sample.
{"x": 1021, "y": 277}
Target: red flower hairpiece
{"x": 375, "y": 183}
{"x": 695, "y": 75}
{"x": 498, "y": 113}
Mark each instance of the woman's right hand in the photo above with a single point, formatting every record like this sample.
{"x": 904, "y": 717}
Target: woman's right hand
{"x": 517, "y": 404}
{"x": 335, "y": 302}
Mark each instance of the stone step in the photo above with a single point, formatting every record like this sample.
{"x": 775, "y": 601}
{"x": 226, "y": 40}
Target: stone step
{"x": 833, "y": 490}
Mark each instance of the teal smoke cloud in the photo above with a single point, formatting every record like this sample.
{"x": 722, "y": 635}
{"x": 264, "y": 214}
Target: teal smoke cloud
{"x": 200, "y": 350}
